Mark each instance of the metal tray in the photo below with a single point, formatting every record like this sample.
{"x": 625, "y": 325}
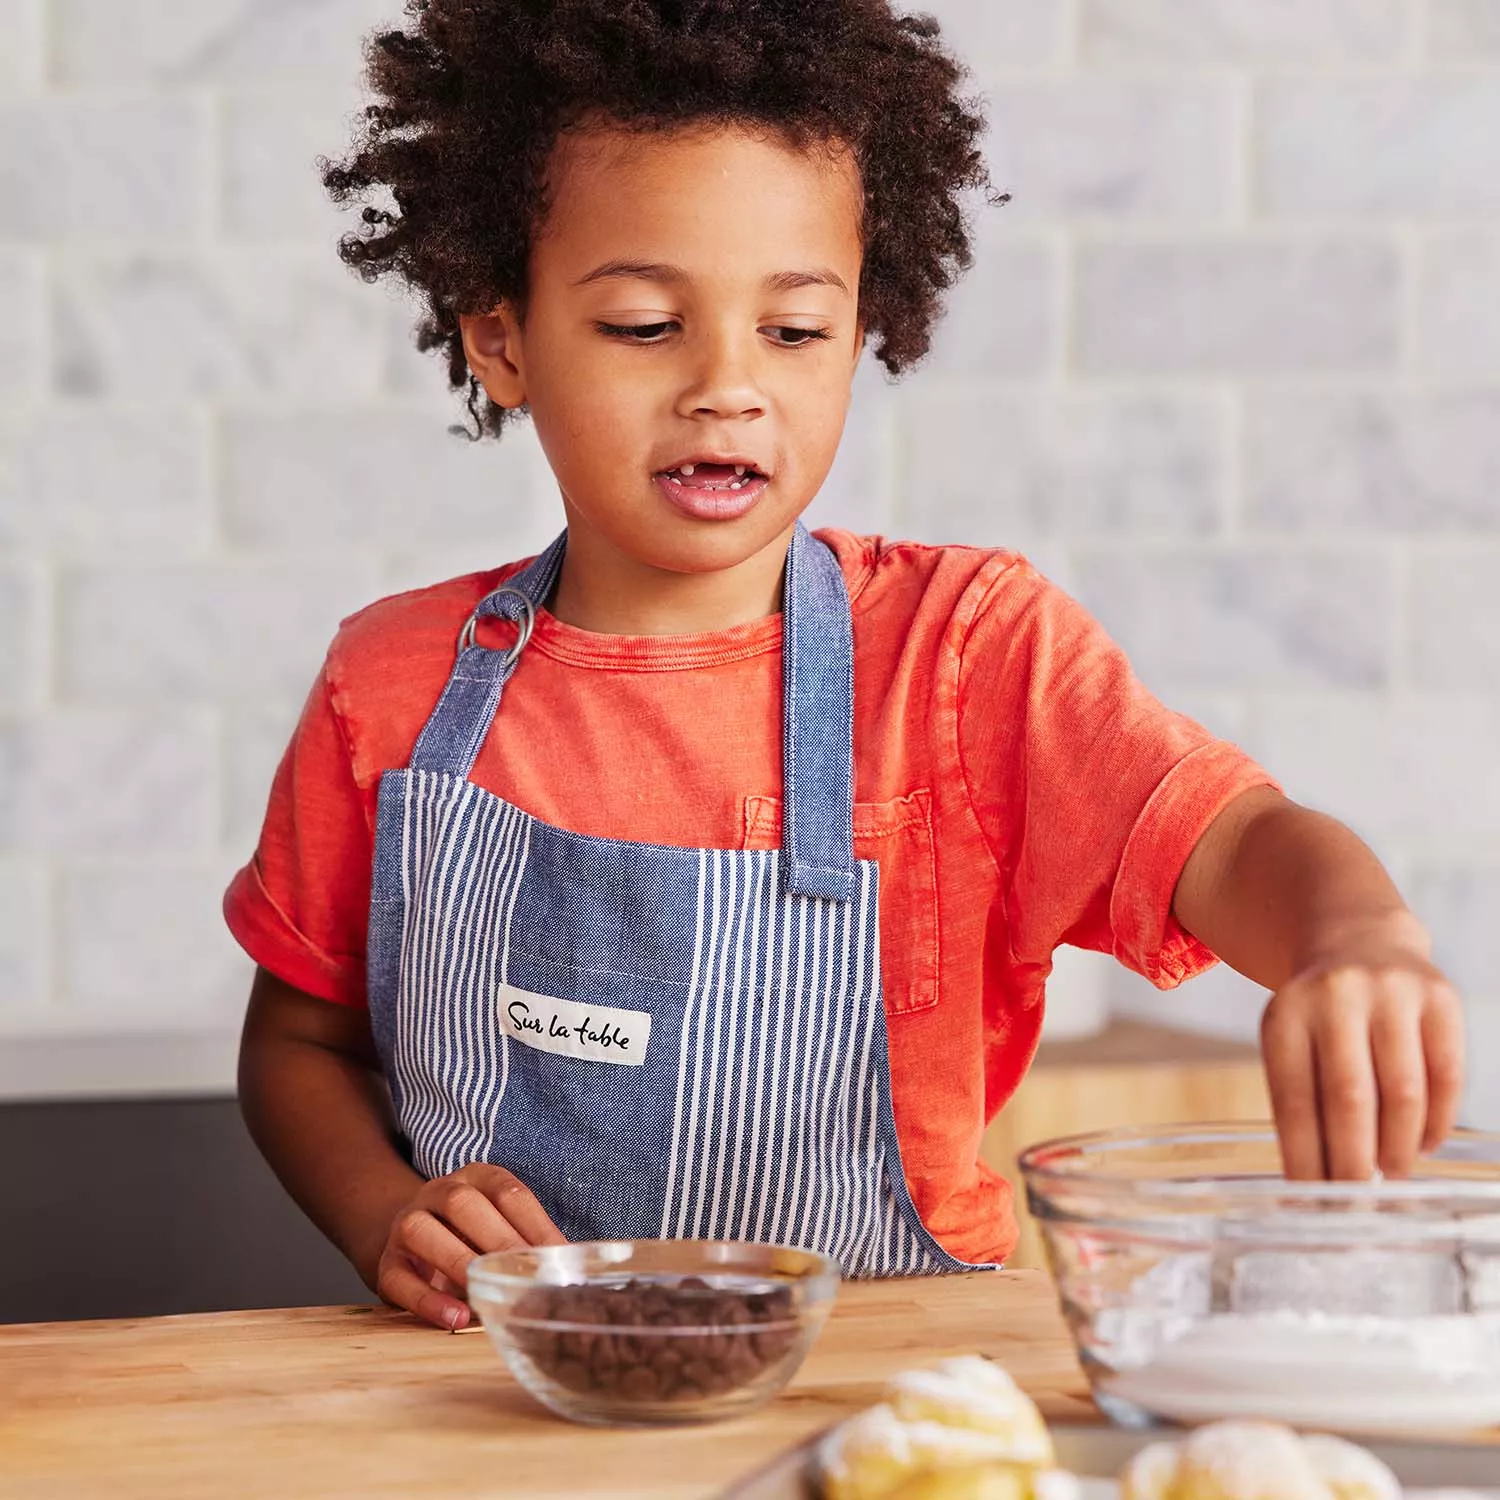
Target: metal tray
{"x": 1099, "y": 1453}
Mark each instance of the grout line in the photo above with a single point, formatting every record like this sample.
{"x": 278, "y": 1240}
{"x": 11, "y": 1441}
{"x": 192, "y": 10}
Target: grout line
{"x": 1419, "y": 53}
{"x": 222, "y": 734}
{"x": 1070, "y": 40}
{"x": 46, "y": 47}
{"x": 211, "y": 164}
{"x": 50, "y": 949}
{"x": 1245, "y": 194}
{"x": 1064, "y": 366}
{"x": 46, "y": 313}
{"x": 889, "y": 457}
{"x": 215, "y": 480}
{"x": 1409, "y": 246}
{"x": 1020, "y": 231}
{"x": 1232, "y": 504}
{"x": 317, "y": 88}
{"x": 46, "y": 651}
{"x": 1401, "y": 640}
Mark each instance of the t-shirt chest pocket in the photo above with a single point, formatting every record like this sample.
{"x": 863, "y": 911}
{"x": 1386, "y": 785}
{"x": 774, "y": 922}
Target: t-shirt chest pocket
{"x": 897, "y": 835}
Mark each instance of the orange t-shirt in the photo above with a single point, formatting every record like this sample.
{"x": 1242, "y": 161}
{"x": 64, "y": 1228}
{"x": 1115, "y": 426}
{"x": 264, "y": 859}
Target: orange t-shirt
{"x": 1016, "y": 783}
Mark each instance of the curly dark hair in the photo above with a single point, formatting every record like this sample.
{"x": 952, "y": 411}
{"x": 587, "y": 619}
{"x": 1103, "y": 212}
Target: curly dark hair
{"x": 450, "y": 163}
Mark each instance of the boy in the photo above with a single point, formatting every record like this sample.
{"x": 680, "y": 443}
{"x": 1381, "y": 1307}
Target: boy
{"x": 702, "y": 876}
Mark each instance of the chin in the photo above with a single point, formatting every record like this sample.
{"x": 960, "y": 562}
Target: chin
{"x": 713, "y": 547}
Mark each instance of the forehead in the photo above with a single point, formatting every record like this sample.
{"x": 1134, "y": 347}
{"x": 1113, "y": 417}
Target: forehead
{"x": 731, "y": 194}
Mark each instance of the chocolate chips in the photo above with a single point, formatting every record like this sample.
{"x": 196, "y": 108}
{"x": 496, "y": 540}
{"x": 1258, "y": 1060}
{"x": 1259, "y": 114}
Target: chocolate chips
{"x": 654, "y": 1340}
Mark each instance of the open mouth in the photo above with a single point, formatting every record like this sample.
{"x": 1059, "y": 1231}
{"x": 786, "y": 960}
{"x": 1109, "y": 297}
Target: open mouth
{"x": 724, "y": 477}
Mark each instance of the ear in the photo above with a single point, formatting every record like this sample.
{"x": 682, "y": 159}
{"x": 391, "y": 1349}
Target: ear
{"x": 492, "y": 345}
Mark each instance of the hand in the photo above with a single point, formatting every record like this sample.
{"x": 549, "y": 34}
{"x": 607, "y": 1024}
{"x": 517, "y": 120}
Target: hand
{"x": 1364, "y": 1058}
{"x": 424, "y": 1266}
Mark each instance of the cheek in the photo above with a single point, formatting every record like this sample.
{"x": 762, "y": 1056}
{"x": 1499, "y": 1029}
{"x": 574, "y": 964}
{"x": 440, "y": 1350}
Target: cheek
{"x": 588, "y": 433}
{"x": 580, "y": 403}
{"x": 817, "y": 420}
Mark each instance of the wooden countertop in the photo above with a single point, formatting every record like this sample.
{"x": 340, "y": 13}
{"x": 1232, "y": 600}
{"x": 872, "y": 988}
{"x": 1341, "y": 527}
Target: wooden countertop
{"x": 361, "y": 1402}
{"x": 1126, "y": 1043}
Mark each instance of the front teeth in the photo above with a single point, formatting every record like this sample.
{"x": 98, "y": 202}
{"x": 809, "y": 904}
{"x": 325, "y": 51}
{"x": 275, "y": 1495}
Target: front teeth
{"x": 686, "y": 471}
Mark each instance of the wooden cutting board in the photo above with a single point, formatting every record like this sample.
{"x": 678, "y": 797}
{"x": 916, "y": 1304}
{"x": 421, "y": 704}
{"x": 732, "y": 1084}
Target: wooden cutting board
{"x": 354, "y": 1403}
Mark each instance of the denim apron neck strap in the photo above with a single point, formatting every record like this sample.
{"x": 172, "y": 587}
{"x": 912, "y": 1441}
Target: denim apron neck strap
{"x": 817, "y": 711}
{"x": 450, "y": 740}
{"x": 818, "y": 724}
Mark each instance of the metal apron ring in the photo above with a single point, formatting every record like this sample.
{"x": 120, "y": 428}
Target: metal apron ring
{"x": 527, "y": 623}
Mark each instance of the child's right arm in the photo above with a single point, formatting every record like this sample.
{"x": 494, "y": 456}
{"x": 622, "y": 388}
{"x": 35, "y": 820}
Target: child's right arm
{"x": 315, "y": 1103}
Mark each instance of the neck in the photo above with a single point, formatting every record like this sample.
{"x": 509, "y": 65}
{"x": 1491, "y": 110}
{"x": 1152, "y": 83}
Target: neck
{"x": 602, "y": 590}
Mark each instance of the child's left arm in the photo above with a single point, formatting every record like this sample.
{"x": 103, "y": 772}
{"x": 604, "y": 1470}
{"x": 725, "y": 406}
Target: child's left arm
{"x": 1363, "y": 1036}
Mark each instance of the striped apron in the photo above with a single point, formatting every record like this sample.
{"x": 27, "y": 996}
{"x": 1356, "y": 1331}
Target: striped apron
{"x": 660, "y": 1042}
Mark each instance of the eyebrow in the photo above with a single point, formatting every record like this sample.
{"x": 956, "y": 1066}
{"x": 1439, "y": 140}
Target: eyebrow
{"x": 650, "y": 270}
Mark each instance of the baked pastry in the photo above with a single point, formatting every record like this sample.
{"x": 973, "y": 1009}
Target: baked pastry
{"x": 989, "y": 1482}
{"x": 962, "y": 1430}
{"x": 975, "y": 1394}
{"x": 1349, "y": 1471}
{"x": 1257, "y": 1461}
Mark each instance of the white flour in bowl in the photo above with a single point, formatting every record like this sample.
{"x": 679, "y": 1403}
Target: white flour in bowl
{"x": 1439, "y": 1372}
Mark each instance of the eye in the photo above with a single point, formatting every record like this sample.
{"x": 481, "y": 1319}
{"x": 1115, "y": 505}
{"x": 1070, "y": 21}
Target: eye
{"x": 797, "y": 338}
{"x": 636, "y": 333}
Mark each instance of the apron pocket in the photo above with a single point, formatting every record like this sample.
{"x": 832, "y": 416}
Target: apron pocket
{"x": 897, "y": 836}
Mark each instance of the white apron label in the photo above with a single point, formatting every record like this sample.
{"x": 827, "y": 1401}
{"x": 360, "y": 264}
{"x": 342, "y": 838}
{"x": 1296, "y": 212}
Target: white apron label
{"x": 596, "y": 1033}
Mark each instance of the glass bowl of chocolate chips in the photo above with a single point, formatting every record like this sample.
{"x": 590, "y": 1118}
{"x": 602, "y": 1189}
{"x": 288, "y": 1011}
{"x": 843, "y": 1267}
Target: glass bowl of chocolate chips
{"x": 653, "y": 1332}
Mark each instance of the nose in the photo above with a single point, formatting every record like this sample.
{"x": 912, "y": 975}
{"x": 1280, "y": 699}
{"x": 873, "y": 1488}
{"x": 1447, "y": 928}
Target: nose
{"x": 722, "y": 379}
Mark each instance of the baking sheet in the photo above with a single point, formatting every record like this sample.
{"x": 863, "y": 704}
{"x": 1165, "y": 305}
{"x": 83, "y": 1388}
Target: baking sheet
{"x": 1098, "y": 1454}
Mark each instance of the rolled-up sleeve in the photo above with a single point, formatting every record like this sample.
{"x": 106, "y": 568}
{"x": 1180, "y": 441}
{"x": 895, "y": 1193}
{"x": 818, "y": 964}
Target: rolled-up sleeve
{"x": 1091, "y": 793}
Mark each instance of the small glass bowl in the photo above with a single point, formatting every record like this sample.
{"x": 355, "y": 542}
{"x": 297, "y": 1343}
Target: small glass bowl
{"x": 1199, "y": 1284}
{"x": 653, "y": 1332}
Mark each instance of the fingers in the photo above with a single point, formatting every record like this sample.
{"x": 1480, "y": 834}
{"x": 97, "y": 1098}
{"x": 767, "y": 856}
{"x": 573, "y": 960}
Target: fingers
{"x": 518, "y": 1205}
{"x": 1442, "y": 1035}
{"x": 1291, "y": 1076}
{"x": 1365, "y": 1067}
{"x": 452, "y": 1222}
{"x": 444, "y": 1284}
{"x": 420, "y": 1235}
{"x": 1401, "y": 1081}
{"x": 425, "y": 1265}
{"x": 403, "y": 1286}
{"x": 473, "y": 1216}
{"x": 1347, "y": 1102}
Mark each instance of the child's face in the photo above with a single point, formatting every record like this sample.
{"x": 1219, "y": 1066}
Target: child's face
{"x": 693, "y": 297}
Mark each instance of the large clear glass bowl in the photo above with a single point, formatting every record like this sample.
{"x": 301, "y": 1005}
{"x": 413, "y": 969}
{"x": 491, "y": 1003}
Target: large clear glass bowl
{"x": 1200, "y": 1284}
{"x": 653, "y": 1332}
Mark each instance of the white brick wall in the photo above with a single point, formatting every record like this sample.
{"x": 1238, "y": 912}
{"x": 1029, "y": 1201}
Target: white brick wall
{"x": 1263, "y": 33}
{"x": 1067, "y": 462}
{"x": 243, "y": 323}
{"x": 1229, "y": 367}
{"x": 175, "y": 41}
{"x": 1373, "y": 459}
{"x": 1255, "y": 617}
{"x": 22, "y": 323}
{"x": 21, "y": 57}
{"x": 1158, "y": 150}
{"x": 1005, "y": 317}
{"x": 1456, "y": 321}
{"x": 1249, "y": 305}
{"x": 1419, "y": 148}
{"x": 1464, "y": 30}
{"x": 134, "y": 169}
{"x": 88, "y": 478}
